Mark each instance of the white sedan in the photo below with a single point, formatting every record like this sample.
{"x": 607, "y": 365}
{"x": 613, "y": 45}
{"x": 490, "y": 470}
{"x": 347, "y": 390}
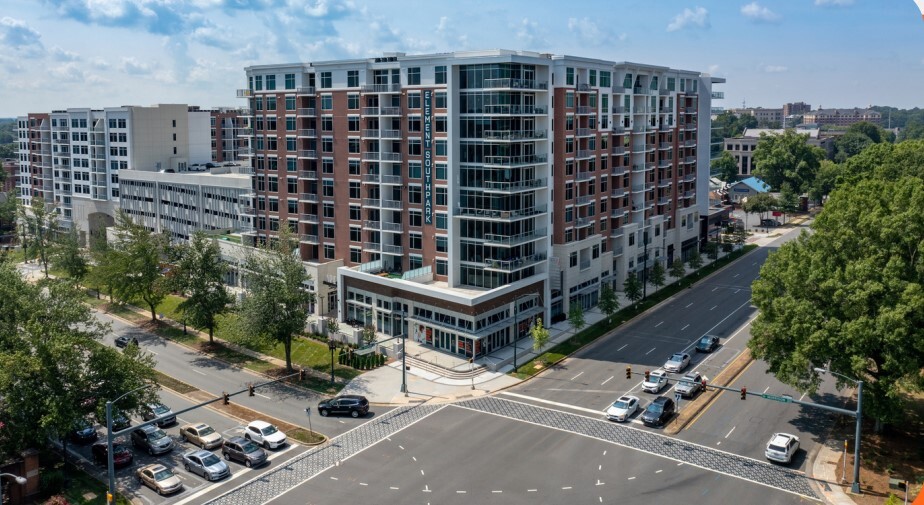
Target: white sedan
{"x": 677, "y": 362}
{"x": 622, "y": 408}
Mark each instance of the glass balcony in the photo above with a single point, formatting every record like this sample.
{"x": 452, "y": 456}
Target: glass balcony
{"x": 308, "y": 197}
{"x": 507, "y": 83}
{"x": 309, "y": 111}
{"x": 512, "y": 187}
{"x": 584, "y": 110}
{"x": 305, "y": 90}
{"x": 502, "y": 214}
{"x": 618, "y": 192}
{"x": 307, "y": 132}
{"x": 308, "y": 153}
{"x": 392, "y": 249}
{"x": 391, "y": 227}
{"x": 310, "y": 239}
{"x": 307, "y": 174}
{"x": 495, "y": 239}
{"x": 514, "y": 135}
{"x": 512, "y": 161}
{"x": 308, "y": 218}
{"x": 514, "y": 264}
{"x": 524, "y": 110}
{"x": 381, "y": 88}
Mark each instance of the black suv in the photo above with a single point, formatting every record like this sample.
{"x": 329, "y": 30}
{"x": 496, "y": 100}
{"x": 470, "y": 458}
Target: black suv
{"x": 244, "y": 451}
{"x": 152, "y": 439}
{"x": 658, "y": 412}
{"x": 354, "y": 405}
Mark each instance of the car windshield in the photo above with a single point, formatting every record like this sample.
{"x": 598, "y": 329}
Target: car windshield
{"x": 777, "y": 448}
{"x": 118, "y": 449}
{"x": 206, "y": 431}
{"x": 269, "y": 430}
{"x": 676, "y": 358}
{"x": 655, "y": 408}
{"x": 706, "y": 340}
{"x": 156, "y": 435}
{"x": 210, "y": 460}
{"x": 161, "y": 409}
{"x": 249, "y": 447}
{"x": 621, "y": 404}
{"x": 656, "y": 376}
{"x": 163, "y": 474}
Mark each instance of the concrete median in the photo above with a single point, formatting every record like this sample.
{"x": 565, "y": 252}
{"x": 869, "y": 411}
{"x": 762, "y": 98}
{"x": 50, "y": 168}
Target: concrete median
{"x": 694, "y": 407}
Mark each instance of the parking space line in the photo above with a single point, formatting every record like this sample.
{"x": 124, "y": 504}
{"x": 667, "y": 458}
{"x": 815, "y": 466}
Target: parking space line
{"x": 607, "y": 380}
{"x": 578, "y": 375}
{"x": 621, "y": 348}
{"x": 649, "y": 352}
{"x": 685, "y": 327}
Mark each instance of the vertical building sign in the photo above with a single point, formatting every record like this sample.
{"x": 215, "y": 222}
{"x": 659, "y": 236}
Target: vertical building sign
{"x": 427, "y": 158}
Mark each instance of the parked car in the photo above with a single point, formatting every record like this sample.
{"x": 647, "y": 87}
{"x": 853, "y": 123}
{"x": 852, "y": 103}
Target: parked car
{"x": 119, "y": 421}
{"x": 122, "y": 341}
{"x": 769, "y": 222}
{"x": 121, "y": 454}
{"x": 202, "y": 435}
{"x": 152, "y": 439}
{"x": 782, "y": 447}
{"x": 265, "y": 434}
{"x": 677, "y": 362}
{"x": 84, "y": 432}
{"x": 244, "y": 451}
{"x": 205, "y": 464}
{"x": 655, "y": 382}
{"x": 159, "y": 478}
{"x": 156, "y": 410}
{"x": 689, "y": 385}
{"x": 707, "y": 343}
{"x": 622, "y": 408}
{"x": 658, "y": 412}
{"x": 354, "y": 405}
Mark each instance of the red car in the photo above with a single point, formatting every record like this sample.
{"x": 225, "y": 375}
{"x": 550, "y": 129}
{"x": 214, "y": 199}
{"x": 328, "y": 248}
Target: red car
{"x": 121, "y": 455}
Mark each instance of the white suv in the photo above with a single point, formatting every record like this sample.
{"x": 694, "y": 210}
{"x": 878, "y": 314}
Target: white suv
{"x": 655, "y": 382}
{"x": 782, "y": 447}
{"x": 265, "y": 434}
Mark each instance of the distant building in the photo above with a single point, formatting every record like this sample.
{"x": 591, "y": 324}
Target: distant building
{"x": 764, "y": 116}
{"x": 72, "y": 158}
{"x": 842, "y": 117}
{"x": 9, "y": 169}
{"x": 796, "y": 109}
{"x": 742, "y": 148}
{"x": 747, "y": 187}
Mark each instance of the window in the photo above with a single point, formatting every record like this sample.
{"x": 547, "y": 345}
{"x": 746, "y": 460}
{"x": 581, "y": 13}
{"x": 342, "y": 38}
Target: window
{"x": 274, "y": 205}
{"x": 413, "y": 76}
{"x": 415, "y": 261}
{"x": 353, "y": 145}
{"x": 290, "y": 103}
{"x": 414, "y": 147}
{"x": 327, "y": 211}
{"x": 327, "y": 123}
{"x": 413, "y": 100}
{"x": 440, "y": 196}
{"x": 270, "y": 83}
{"x": 290, "y": 123}
{"x": 292, "y": 184}
{"x": 415, "y": 218}
{"x": 671, "y": 83}
{"x": 327, "y": 102}
{"x": 290, "y": 81}
{"x": 413, "y": 124}
{"x": 414, "y": 194}
{"x": 329, "y": 230}
{"x": 356, "y": 212}
{"x": 327, "y": 187}
{"x": 292, "y": 206}
{"x": 356, "y": 255}
{"x": 442, "y": 221}
{"x": 572, "y": 259}
{"x": 441, "y": 124}
{"x": 290, "y": 144}
{"x": 273, "y": 184}
{"x": 440, "y": 74}
{"x": 442, "y": 244}
{"x": 441, "y": 171}
{"x": 353, "y": 167}
{"x": 327, "y": 145}
{"x": 441, "y": 147}
{"x": 593, "y": 77}
{"x": 606, "y": 79}
{"x": 328, "y": 251}
{"x": 327, "y": 166}
{"x": 569, "y": 76}
{"x": 258, "y": 83}
{"x": 569, "y": 99}
{"x": 270, "y": 103}
{"x": 354, "y": 189}
{"x": 356, "y": 234}
{"x": 440, "y": 100}
{"x": 627, "y": 81}
{"x": 415, "y": 241}
{"x": 353, "y": 102}
{"x": 442, "y": 267}
{"x": 325, "y": 80}
{"x": 352, "y": 78}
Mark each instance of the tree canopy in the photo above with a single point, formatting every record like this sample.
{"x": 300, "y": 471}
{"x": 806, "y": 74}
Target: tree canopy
{"x": 725, "y": 168}
{"x": 199, "y": 273}
{"x": 787, "y": 158}
{"x": 136, "y": 269}
{"x": 850, "y": 295}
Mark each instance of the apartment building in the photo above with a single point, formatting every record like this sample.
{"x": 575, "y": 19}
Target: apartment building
{"x": 842, "y": 117}
{"x": 468, "y": 193}
{"x": 72, "y": 158}
{"x": 765, "y": 117}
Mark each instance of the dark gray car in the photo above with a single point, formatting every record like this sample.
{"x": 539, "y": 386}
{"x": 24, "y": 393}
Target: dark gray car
{"x": 243, "y": 451}
{"x": 658, "y": 412}
{"x": 152, "y": 439}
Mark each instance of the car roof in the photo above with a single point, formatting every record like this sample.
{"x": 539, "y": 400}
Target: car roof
{"x": 781, "y": 438}
{"x": 237, "y": 440}
{"x": 661, "y": 400}
{"x": 259, "y": 424}
{"x": 627, "y": 398}
{"x": 352, "y": 397}
{"x": 690, "y": 375}
{"x": 198, "y": 452}
{"x": 148, "y": 428}
{"x": 659, "y": 371}
{"x": 154, "y": 467}
{"x": 678, "y": 355}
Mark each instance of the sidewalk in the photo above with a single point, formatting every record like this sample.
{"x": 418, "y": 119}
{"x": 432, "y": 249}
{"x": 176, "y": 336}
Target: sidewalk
{"x": 827, "y": 474}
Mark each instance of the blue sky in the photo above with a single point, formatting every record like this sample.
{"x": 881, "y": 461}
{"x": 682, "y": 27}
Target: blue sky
{"x": 97, "y": 53}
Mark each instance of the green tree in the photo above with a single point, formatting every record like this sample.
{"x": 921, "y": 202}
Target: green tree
{"x": 825, "y": 180}
{"x": 656, "y": 276}
{"x": 9, "y": 209}
{"x": 608, "y": 303}
{"x": 712, "y": 250}
{"x": 137, "y": 264}
{"x": 576, "y": 316}
{"x": 677, "y": 269}
{"x": 695, "y": 261}
{"x": 725, "y": 167}
{"x": 53, "y": 368}
{"x": 632, "y": 287}
{"x": 787, "y": 158}
{"x": 368, "y": 335}
{"x": 540, "y": 335}
{"x": 850, "y": 295}
{"x": 67, "y": 255}
{"x": 40, "y": 225}
{"x": 760, "y": 204}
{"x": 867, "y": 129}
{"x": 332, "y": 326}
{"x": 913, "y": 131}
{"x": 789, "y": 200}
{"x": 850, "y": 144}
{"x": 200, "y": 274}
{"x": 277, "y": 301}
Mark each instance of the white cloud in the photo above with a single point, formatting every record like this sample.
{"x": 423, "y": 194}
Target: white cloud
{"x": 757, "y": 12}
{"x": 774, "y": 69}
{"x": 73, "y": 71}
{"x": 131, "y": 65}
{"x": 838, "y": 3}
{"x": 16, "y": 34}
{"x": 61, "y": 54}
{"x": 713, "y": 69}
{"x": 689, "y": 18}
{"x": 589, "y": 34}
{"x": 530, "y": 34}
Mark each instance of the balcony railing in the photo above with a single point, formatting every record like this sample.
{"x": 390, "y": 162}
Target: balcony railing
{"x": 307, "y": 132}
{"x": 372, "y": 246}
{"x": 502, "y": 214}
{"x": 689, "y": 177}
{"x": 664, "y": 183}
{"x": 392, "y": 227}
{"x": 305, "y": 90}
{"x": 515, "y": 263}
{"x": 619, "y": 129}
{"x": 308, "y": 174}
{"x": 584, "y": 176}
{"x": 618, "y": 109}
{"x": 372, "y": 225}
{"x": 584, "y": 110}
{"x": 689, "y": 194}
{"x": 371, "y": 178}
{"x": 514, "y": 134}
{"x": 308, "y": 197}
{"x": 514, "y": 84}
{"x": 311, "y": 239}
{"x": 512, "y": 240}
{"x": 510, "y": 161}
{"x": 617, "y": 171}
{"x": 618, "y": 192}
{"x": 244, "y": 93}
{"x": 308, "y": 153}
{"x": 689, "y": 159}
{"x": 381, "y": 88}
{"x": 309, "y": 218}
{"x": 509, "y": 109}
{"x": 584, "y": 199}
{"x": 392, "y": 179}
{"x": 664, "y": 200}
{"x": 665, "y": 145}
{"x": 372, "y": 202}
{"x": 618, "y": 150}
{"x": 308, "y": 111}
{"x": 389, "y": 111}
{"x": 392, "y": 204}
{"x": 392, "y": 249}
{"x": 513, "y": 185}
{"x": 582, "y": 222}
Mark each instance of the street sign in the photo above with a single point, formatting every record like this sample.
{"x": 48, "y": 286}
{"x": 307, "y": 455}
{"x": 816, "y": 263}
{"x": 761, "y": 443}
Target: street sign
{"x": 677, "y": 398}
{"x": 783, "y": 399}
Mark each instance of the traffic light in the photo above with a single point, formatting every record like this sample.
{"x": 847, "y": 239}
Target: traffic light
{"x": 744, "y": 393}
{"x": 226, "y": 398}
{"x": 647, "y": 375}
{"x": 301, "y": 374}
{"x": 628, "y": 372}
{"x": 250, "y": 390}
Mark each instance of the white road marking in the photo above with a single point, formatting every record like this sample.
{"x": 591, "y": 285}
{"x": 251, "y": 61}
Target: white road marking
{"x": 414, "y": 458}
{"x": 426, "y": 488}
{"x": 401, "y": 447}
{"x": 649, "y": 352}
{"x": 768, "y": 389}
{"x": 685, "y": 327}
{"x": 263, "y": 396}
{"x": 715, "y": 289}
{"x": 689, "y": 305}
{"x": 604, "y": 382}
{"x": 736, "y": 275}
{"x": 604, "y": 453}
{"x": 497, "y": 491}
{"x": 659, "y": 324}
{"x": 549, "y": 402}
{"x": 566, "y": 487}
{"x": 392, "y": 487}
{"x": 714, "y": 307}
{"x": 599, "y": 467}
{"x": 621, "y": 348}
{"x": 737, "y": 291}
{"x": 659, "y": 471}
{"x": 803, "y": 396}
{"x": 730, "y": 431}
{"x": 334, "y": 478}
{"x": 631, "y": 478}
{"x": 578, "y": 375}
{"x": 601, "y": 499}
{"x": 530, "y": 490}
{"x": 718, "y": 443}
{"x": 198, "y": 372}
{"x": 678, "y": 464}
{"x": 363, "y": 484}
{"x": 421, "y": 472}
{"x": 600, "y": 483}
{"x": 460, "y": 492}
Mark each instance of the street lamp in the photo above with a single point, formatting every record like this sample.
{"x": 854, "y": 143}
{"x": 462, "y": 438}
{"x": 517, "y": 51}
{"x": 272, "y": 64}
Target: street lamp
{"x": 403, "y": 336}
{"x": 19, "y": 480}
{"x": 110, "y": 468}
{"x": 332, "y": 346}
{"x": 516, "y": 325}
{"x": 855, "y": 488}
